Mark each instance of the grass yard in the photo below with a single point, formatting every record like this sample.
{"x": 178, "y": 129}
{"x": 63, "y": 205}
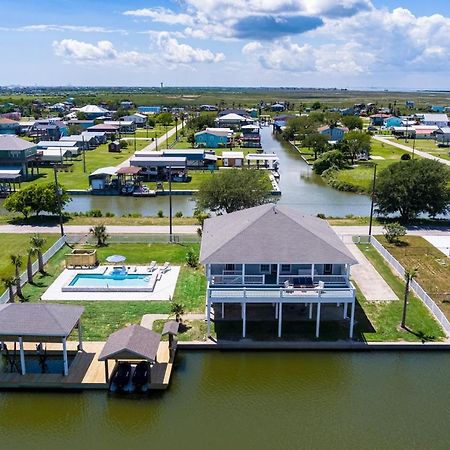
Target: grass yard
{"x": 18, "y": 243}
{"x": 433, "y": 267}
{"x": 359, "y": 178}
{"x": 428, "y": 146}
{"x": 101, "y": 318}
{"x": 386, "y": 317}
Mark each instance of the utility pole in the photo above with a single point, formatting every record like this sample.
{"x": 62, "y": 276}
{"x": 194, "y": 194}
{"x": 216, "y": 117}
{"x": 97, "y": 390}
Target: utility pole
{"x": 167, "y": 138}
{"x": 170, "y": 205}
{"x": 58, "y": 196}
{"x": 156, "y": 140}
{"x": 176, "y": 128}
{"x": 373, "y": 198}
{"x": 135, "y": 140}
{"x": 84, "y": 156}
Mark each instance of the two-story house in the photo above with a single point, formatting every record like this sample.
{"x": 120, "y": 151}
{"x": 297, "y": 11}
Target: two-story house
{"x": 16, "y": 155}
{"x": 274, "y": 256}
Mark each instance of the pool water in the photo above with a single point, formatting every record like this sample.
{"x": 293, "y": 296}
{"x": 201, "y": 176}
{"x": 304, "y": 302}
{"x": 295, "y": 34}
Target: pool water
{"x": 109, "y": 281}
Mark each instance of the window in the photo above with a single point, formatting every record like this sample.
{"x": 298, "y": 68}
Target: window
{"x": 264, "y": 268}
{"x": 285, "y": 268}
{"x": 230, "y": 267}
{"x": 328, "y": 269}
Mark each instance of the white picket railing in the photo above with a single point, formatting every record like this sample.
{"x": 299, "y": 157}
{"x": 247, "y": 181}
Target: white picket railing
{"x": 415, "y": 286}
{"x": 35, "y": 267}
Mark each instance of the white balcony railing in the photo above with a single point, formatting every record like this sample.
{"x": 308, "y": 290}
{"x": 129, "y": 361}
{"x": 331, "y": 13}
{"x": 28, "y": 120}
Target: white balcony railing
{"x": 237, "y": 279}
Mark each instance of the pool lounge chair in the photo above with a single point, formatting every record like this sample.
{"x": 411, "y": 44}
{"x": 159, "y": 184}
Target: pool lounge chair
{"x": 152, "y": 267}
{"x": 166, "y": 267}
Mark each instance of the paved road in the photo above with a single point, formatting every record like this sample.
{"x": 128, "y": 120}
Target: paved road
{"x": 410, "y": 150}
{"x": 152, "y": 145}
{"x": 192, "y": 229}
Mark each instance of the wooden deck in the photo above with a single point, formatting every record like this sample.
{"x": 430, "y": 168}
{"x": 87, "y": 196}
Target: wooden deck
{"x": 85, "y": 371}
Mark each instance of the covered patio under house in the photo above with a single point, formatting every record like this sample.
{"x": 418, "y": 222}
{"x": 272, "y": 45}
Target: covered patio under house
{"x": 273, "y": 255}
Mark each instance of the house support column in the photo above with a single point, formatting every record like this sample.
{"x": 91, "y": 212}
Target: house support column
{"x": 66, "y": 362}
{"x": 352, "y": 320}
{"x": 80, "y": 337}
{"x": 278, "y": 274}
{"x": 223, "y": 310}
{"x": 106, "y": 371}
{"x": 280, "y": 318}
{"x": 310, "y": 310}
{"x": 318, "y": 320}
{"x": 244, "y": 318}
{"x": 276, "y": 310}
{"x": 208, "y": 317}
{"x": 22, "y": 356}
{"x": 345, "y": 310}
{"x": 312, "y": 272}
{"x": 243, "y": 273}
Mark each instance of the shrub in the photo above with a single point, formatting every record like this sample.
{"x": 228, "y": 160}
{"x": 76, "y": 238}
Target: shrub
{"x": 392, "y": 231}
{"x": 160, "y": 213}
{"x": 109, "y": 214}
{"x": 321, "y": 216}
{"x": 178, "y": 214}
{"x": 329, "y": 160}
{"x": 405, "y": 157}
{"x": 123, "y": 143}
{"x": 94, "y": 213}
{"x": 192, "y": 258}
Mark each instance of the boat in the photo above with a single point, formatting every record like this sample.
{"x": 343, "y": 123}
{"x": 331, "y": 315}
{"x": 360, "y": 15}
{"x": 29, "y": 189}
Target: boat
{"x": 121, "y": 377}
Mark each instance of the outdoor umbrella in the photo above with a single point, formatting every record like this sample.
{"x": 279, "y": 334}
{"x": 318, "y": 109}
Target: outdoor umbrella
{"x": 116, "y": 259}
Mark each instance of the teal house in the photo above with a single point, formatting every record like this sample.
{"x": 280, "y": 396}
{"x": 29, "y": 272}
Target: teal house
{"x": 214, "y": 138}
{"x": 393, "y": 122}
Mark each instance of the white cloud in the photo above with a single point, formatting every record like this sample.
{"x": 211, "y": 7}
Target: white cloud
{"x": 103, "y": 52}
{"x": 251, "y": 47}
{"x": 174, "y": 52}
{"x": 162, "y": 15}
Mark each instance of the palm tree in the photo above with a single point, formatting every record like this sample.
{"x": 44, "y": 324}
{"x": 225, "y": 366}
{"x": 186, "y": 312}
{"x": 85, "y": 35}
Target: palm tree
{"x": 410, "y": 274}
{"x": 30, "y": 253}
{"x": 37, "y": 242}
{"x": 8, "y": 283}
{"x": 178, "y": 310}
{"x": 99, "y": 232}
{"x": 17, "y": 262}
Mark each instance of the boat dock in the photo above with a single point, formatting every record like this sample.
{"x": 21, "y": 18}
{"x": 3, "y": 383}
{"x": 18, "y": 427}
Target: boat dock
{"x": 86, "y": 372}
{"x": 300, "y": 153}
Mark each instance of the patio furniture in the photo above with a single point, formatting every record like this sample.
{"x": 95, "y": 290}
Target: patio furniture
{"x": 152, "y": 267}
{"x": 166, "y": 267}
{"x": 289, "y": 287}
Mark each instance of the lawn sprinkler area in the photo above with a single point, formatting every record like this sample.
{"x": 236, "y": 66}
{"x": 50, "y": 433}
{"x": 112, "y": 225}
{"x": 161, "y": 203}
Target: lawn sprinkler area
{"x": 123, "y": 283}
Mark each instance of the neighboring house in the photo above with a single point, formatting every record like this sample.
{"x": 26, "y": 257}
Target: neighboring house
{"x": 149, "y": 109}
{"x": 54, "y": 155}
{"x": 82, "y": 141}
{"x": 214, "y": 138}
{"x": 157, "y": 167}
{"x": 277, "y": 107}
{"x": 58, "y": 107}
{"x": 253, "y": 112}
{"x": 425, "y": 131}
{"x": 100, "y": 137}
{"x": 393, "y": 122}
{"x": 232, "y": 119}
{"x": 377, "y": 120}
{"x": 269, "y": 257}
{"x": 251, "y": 137}
{"x": 208, "y": 108}
{"x": 16, "y": 156}
{"x": 439, "y": 120}
{"x": 442, "y": 136}
{"x": 100, "y": 179}
{"x": 333, "y": 134}
{"x": 139, "y": 119}
{"x": 85, "y": 124}
{"x": 126, "y": 104}
{"x": 8, "y": 126}
{"x": 437, "y": 109}
{"x": 195, "y": 157}
{"x": 238, "y": 111}
{"x": 233, "y": 159}
{"x": 125, "y": 126}
{"x": 93, "y": 112}
{"x": 105, "y": 128}
{"x": 410, "y": 104}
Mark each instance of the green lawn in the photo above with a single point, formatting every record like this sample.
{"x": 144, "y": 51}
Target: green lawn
{"x": 386, "y": 316}
{"x": 428, "y": 146}
{"x": 18, "y": 243}
{"x": 359, "y": 178}
{"x": 102, "y": 318}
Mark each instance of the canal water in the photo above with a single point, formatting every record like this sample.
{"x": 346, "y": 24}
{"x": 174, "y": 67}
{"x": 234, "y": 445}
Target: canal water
{"x": 300, "y": 187}
{"x": 233, "y": 400}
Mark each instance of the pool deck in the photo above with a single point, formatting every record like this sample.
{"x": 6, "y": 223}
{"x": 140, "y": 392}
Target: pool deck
{"x": 85, "y": 371}
{"x": 163, "y": 291}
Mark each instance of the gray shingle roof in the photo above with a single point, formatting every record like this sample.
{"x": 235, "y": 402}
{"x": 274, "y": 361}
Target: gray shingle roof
{"x": 132, "y": 342}
{"x": 38, "y": 319}
{"x": 170, "y": 327}
{"x": 8, "y": 142}
{"x": 271, "y": 234}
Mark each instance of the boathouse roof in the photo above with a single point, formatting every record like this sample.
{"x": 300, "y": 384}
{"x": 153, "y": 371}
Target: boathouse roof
{"x": 132, "y": 342}
{"x": 271, "y": 234}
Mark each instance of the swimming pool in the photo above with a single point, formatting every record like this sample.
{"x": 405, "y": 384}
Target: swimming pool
{"x": 98, "y": 282}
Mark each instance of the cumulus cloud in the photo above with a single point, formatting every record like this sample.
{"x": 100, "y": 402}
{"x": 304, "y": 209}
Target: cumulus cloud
{"x": 62, "y": 28}
{"x": 174, "y": 52}
{"x": 252, "y": 19}
{"x": 102, "y": 52}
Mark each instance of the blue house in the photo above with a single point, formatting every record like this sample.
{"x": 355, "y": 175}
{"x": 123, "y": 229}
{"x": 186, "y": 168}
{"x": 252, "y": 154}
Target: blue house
{"x": 214, "y": 138}
{"x": 8, "y": 126}
{"x": 335, "y": 134}
{"x": 393, "y": 122}
{"x": 149, "y": 109}
{"x": 437, "y": 109}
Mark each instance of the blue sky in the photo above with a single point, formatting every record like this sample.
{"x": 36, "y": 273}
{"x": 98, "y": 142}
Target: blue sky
{"x": 319, "y": 43}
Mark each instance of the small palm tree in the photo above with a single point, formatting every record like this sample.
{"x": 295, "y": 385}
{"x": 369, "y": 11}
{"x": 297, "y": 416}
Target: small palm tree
{"x": 30, "y": 253}
{"x": 17, "y": 262}
{"x": 178, "y": 310}
{"x": 8, "y": 283}
{"x": 99, "y": 232}
{"x": 410, "y": 274}
{"x": 37, "y": 242}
